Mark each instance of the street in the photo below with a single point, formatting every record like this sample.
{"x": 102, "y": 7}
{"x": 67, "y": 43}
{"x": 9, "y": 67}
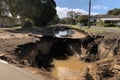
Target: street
{"x": 107, "y": 29}
{"x": 10, "y": 72}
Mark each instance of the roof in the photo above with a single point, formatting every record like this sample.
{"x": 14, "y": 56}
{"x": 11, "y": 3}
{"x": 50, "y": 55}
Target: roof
{"x": 107, "y": 16}
{"x": 110, "y": 19}
{"x": 7, "y": 17}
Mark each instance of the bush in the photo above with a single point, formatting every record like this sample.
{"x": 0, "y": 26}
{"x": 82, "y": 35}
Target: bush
{"x": 100, "y": 23}
{"x": 28, "y": 23}
{"x": 110, "y": 25}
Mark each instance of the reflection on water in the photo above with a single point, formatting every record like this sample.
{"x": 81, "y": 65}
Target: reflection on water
{"x": 68, "y": 68}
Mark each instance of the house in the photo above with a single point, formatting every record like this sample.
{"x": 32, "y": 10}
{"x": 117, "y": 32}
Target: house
{"x": 6, "y": 21}
{"x": 101, "y": 20}
{"x": 107, "y": 20}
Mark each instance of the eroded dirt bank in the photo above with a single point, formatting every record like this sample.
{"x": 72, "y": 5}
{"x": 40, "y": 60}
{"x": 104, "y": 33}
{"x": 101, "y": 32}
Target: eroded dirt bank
{"x": 100, "y": 51}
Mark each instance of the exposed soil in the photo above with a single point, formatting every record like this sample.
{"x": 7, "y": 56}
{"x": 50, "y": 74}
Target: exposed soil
{"x": 11, "y": 39}
{"x": 31, "y": 50}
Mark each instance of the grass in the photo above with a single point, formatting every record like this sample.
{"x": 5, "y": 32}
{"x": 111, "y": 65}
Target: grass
{"x": 18, "y": 27}
{"x": 85, "y": 28}
{"x": 91, "y": 30}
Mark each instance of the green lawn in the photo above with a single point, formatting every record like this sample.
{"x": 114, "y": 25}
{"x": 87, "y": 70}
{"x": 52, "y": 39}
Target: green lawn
{"x": 85, "y": 28}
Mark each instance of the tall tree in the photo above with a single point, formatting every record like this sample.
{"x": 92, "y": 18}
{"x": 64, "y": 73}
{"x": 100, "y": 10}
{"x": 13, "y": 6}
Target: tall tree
{"x": 47, "y": 14}
{"x": 4, "y": 10}
{"x": 72, "y": 17}
{"x": 83, "y": 19}
{"x": 71, "y": 14}
{"x": 115, "y": 11}
{"x": 40, "y": 11}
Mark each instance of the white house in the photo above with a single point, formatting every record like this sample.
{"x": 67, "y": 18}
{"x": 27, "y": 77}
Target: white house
{"x": 109, "y": 20}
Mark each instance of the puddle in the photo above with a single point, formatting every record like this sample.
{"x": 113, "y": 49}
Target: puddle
{"x": 68, "y": 68}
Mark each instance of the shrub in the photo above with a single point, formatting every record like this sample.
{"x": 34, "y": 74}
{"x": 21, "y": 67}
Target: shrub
{"x": 110, "y": 25}
{"x": 28, "y": 23}
{"x": 100, "y": 23}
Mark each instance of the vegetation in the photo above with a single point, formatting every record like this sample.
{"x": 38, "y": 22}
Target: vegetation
{"x": 41, "y": 12}
{"x": 62, "y": 21}
{"x": 101, "y": 23}
{"x": 115, "y": 11}
{"x": 28, "y": 23}
{"x": 110, "y": 25}
{"x": 85, "y": 28}
{"x": 73, "y": 14}
{"x": 83, "y": 20}
{"x": 56, "y": 20}
{"x": 72, "y": 17}
{"x": 3, "y": 8}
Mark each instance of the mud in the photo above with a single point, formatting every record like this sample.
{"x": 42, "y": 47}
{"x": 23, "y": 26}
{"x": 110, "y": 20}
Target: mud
{"x": 67, "y": 68}
{"x": 89, "y": 50}
{"x": 97, "y": 53}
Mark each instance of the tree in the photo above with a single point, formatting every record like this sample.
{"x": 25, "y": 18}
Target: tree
{"x": 77, "y": 15}
{"x": 40, "y": 11}
{"x": 56, "y": 20}
{"x": 72, "y": 17}
{"x": 3, "y": 8}
{"x": 83, "y": 19}
{"x": 115, "y": 11}
{"x": 73, "y": 14}
{"x": 48, "y": 13}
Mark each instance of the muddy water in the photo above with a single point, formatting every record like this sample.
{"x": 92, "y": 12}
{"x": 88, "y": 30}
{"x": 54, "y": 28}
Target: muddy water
{"x": 68, "y": 68}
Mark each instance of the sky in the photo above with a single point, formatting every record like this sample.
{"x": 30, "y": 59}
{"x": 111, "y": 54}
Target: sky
{"x": 97, "y": 6}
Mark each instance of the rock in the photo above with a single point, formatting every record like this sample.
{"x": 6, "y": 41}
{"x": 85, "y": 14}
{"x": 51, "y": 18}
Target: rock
{"x": 106, "y": 69}
{"x": 84, "y": 74}
{"x": 117, "y": 67}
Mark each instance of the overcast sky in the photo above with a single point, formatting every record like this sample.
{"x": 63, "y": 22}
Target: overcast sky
{"x": 98, "y": 6}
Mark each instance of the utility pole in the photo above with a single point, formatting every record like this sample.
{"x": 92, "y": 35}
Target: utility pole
{"x": 89, "y": 14}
